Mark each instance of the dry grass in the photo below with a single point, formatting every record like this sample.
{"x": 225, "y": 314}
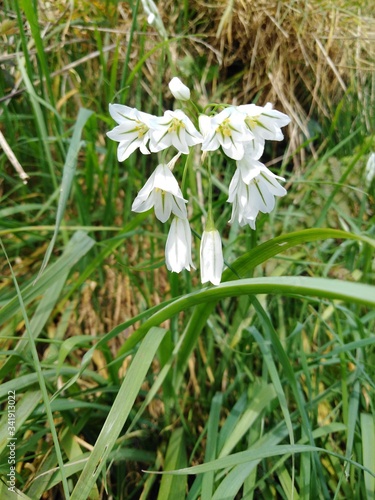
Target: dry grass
{"x": 304, "y": 56}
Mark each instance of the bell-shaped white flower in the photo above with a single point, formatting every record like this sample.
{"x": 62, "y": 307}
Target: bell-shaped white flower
{"x": 211, "y": 256}
{"x": 370, "y": 169}
{"x": 162, "y": 192}
{"x": 264, "y": 121}
{"x": 151, "y": 18}
{"x": 226, "y": 129}
{"x": 179, "y": 90}
{"x": 178, "y": 246}
{"x": 253, "y": 189}
{"x": 132, "y": 131}
{"x": 243, "y": 210}
{"x": 173, "y": 129}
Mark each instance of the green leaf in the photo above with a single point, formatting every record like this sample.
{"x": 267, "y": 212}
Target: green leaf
{"x": 258, "y": 401}
{"x": 68, "y": 176}
{"x": 119, "y": 413}
{"x": 173, "y": 487}
{"x": 288, "y": 285}
{"x": 69, "y": 344}
{"x": 77, "y": 247}
{"x": 368, "y": 447}
{"x": 24, "y": 407}
{"x": 256, "y": 454}
{"x": 38, "y": 321}
{"x": 212, "y": 443}
{"x": 6, "y": 494}
{"x": 244, "y": 265}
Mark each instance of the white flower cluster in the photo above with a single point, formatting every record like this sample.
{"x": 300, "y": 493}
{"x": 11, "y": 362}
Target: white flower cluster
{"x": 240, "y": 131}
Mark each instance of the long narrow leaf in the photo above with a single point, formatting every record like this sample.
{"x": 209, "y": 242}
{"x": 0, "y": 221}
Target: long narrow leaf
{"x": 173, "y": 487}
{"x": 39, "y": 374}
{"x": 68, "y": 176}
{"x": 296, "y": 286}
{"x": 243, "y": 457}
{"x": 119, "y": 413}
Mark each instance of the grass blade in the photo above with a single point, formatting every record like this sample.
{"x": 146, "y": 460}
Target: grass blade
{"x": 68, "y": 176}
{"x": 243, "y": 457}
{"x": 295, "y": 286}
{"x": 212, "y": 442}
{"x": 119, "y": 413}
{"x": 77, "y": 247}
{"x": 368, "y": 446}
{"x": 173, "y": 487}
{"x": 39, "y": 373}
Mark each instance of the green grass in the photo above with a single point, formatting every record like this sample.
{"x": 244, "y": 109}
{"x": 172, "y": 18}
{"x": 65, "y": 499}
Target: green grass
{"x": 132, "y": 382}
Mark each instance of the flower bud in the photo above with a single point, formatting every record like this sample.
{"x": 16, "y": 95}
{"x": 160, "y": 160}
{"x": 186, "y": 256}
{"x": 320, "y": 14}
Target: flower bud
{"x": 178, "y": 247}
{"x": 211, "y": 257}
{"x": 179, "y": 90}
{"x": 370, "y": 169}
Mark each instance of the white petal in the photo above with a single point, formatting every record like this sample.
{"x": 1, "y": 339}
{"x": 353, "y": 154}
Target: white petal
{"x": 211, "y": 257}
{"x": 163, "y": 205}
{"x": 143, "y": 205}
{"x": 179, "y": 90}
{"x": 179, "y": 207}
{"x": 178, "y": 246}
{"x": 125, "y": 149}
{"x": 205, "y": 124}
{"x": 249, "y": 168}
{"x": 233, "y": 150}
{"x": 165, "y": 180}
{"x": 148, "y": 187}
{"x": 370, "y": 169}
{"x": 121, "y": 113}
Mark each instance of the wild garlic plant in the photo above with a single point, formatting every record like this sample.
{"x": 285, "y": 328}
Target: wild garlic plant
{"x": 239, "y": 131}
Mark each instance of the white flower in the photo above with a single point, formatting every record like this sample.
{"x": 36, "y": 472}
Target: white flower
{"x": 179, "y": 90}
{"x": 264, "y": 122}
{"x": 226, "y": 129}
{"x": 252, "y": 190}
{"x": 178, "y": 247}
{"x": 242, "y": 208}
{"x": 173, "y": 129}
{"x": 132, "y": 131}
{"x": 162, "y": 192}
{"x": 151, "y": 18}
{"x": 211, "y": 257}
{"x": 370, "y": 169}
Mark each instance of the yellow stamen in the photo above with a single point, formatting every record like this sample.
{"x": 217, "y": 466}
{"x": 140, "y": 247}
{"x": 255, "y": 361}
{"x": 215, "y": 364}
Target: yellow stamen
{"x": 225, "y": 129}
{"x": 175, "y": 125}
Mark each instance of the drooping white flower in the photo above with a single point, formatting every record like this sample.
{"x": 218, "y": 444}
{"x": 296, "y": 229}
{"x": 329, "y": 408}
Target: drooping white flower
{"x": 179, "y": 90}
{"x": 253, "y": 189}
{"x": 154, "y": 18}
{"x": 151, "y": 18}
{"x": 211, "y": 256}
{"x": 178, "y": 246}
{"x": 226, "y": 129}
{"x": 370, "y": 169}
{"x": 264, "y": 121}
{"x": 173, "y": 129}
{"x": 162, "y": 192}
{"x": 132, "y": 131}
